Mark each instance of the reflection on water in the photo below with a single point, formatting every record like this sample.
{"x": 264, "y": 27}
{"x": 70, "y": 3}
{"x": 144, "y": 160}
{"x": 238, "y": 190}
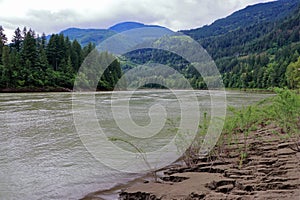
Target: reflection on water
{"x": 41, "y": 155}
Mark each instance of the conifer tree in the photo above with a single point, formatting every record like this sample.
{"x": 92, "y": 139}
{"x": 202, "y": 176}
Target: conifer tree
{"x": 17, "y": 39}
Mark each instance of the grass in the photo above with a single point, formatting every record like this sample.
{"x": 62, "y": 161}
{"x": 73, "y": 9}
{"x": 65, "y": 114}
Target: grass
{"x": 140, "y": 152}
{"x": 282, "y": 110}
{"x": 191, "y": 154}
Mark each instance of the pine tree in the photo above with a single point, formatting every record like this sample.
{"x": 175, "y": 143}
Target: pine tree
{"x": 24, "y": 32}
{"x": 7, "y": 65}
{"x": 76, "y": 55}
{"x": 52, "y": 51}
{"x": 43, "y": 41}
{"x": 2, "y": 36}
{"x": 17, "y": 40}
{"x": 29, "y": 51}
{"x": 3, "y": 41}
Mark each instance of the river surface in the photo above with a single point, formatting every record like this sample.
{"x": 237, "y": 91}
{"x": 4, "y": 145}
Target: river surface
{"x": 42, "y": 155}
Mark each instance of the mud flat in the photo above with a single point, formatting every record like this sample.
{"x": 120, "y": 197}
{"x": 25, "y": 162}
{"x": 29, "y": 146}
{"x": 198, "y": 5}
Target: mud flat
{"x": 270, "y": 171}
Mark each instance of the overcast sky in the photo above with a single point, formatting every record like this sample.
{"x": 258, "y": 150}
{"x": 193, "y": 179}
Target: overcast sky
{"x": 52, "y": 16}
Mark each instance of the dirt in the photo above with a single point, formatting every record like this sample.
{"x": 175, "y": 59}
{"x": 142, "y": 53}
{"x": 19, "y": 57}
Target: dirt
{"x": 271, "y": 171}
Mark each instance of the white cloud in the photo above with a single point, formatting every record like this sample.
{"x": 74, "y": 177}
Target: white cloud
{"x": 51, "y": 16}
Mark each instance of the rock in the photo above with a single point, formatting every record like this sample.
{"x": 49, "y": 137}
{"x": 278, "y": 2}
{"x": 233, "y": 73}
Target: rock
{"x": 286, "y": 152}
{"x": 240, "y": 192}
{"x": 174, "y": 179}
{"x": 225, "y": 188}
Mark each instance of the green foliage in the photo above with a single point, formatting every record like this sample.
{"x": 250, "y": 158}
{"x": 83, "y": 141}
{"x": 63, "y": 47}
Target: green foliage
{"x": 242, "y": 122}
{"x": 253, "y": 47}
{"x": 282, "y": 110}
{"x": 293, "y": 75}
{"x": 252, "y": 15}
{"x": 101, "y": 71}
{"x": 138, "y": 150}
{"x": 164, "y": 77}
{"x": 286, "y": 110}
{"x": 30, "y": 62}
{"x": 257, "y": 47}
{"x": 3, "y": 40}
{"x": 184, "y": 140}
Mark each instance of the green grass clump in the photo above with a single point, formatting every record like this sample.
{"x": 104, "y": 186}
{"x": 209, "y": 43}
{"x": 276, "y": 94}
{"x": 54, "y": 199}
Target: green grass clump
{"x": 282, "y": 110}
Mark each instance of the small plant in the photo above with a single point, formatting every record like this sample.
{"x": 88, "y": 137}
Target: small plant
{"x": 243, "y": 158}
{"x": 282, "y": 110}
{"x": 141, "y": 152}
{"x": 287, "y": 115}
{"x": 242, "y": 122}
{"x": 287, "y": 110}
{"x": 191, "y": 154}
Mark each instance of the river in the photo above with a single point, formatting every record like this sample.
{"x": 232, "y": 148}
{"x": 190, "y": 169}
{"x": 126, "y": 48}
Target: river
{"x": 43, "y": 157}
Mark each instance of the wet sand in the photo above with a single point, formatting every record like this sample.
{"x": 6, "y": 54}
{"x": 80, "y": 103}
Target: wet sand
{"x": 271, "y": 171}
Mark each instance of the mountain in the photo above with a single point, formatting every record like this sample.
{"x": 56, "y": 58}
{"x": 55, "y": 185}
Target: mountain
{"x": 85, "y": 36}
{"x": 251, "y": 15}
{"x": 254, "y": 46}
{"x": 125, "y": 26}
{"x": 236, "y": 34}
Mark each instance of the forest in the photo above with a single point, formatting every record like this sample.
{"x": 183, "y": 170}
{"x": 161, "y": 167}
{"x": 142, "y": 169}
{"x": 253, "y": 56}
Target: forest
{"x": 29, "y": 62}
{"x": 261, "y": 54}
{"x": 258, "y": 52}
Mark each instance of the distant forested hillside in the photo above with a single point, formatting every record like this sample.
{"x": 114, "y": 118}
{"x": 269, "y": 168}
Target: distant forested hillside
{"x": 248, "y": 17}
{"x": 254, "y": 47}
{"x": 257, "y": 47}
{"x": 96, "y": 36}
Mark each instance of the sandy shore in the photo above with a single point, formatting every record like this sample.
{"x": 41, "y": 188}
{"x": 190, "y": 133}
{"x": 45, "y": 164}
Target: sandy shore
{"x": 271, "y": 171}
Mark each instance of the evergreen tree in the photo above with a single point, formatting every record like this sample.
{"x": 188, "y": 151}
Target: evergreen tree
{"x": 3, "y": 41}
{"x": 17, "y": 39}
{"x": 32, "y": 62}
{"x": 29, "y": 51}
{"x": 7, "y": 72}
{"x": 52, "y": 52}
{"x": 43, "y": 41}
{"x": 24, "y": 32}
{"x": 76, "y": 55}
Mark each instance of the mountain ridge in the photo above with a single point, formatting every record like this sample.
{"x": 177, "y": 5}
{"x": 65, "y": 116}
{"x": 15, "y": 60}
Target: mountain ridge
{"x": 94, "y": 35}
{"x": 128, "y": 25}
{"x": 251, "y": 53}
{"x": 253, "y": 14}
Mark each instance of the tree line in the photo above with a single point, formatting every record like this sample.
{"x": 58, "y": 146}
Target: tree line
{"x": 32, "y": 61}
{"x": 259, "y": 55}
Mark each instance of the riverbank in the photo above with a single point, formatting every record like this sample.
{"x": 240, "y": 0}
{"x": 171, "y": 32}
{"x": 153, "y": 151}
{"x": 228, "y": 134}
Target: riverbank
{"x": 257, "y": 157}
{"x": 62, "y": 89}
{"x": 34, "y": 89}
{"x": 271, "y": 171}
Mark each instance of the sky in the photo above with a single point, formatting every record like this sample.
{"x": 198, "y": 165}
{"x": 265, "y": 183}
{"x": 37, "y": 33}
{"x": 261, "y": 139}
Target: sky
{"x": 53, "y": 16}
